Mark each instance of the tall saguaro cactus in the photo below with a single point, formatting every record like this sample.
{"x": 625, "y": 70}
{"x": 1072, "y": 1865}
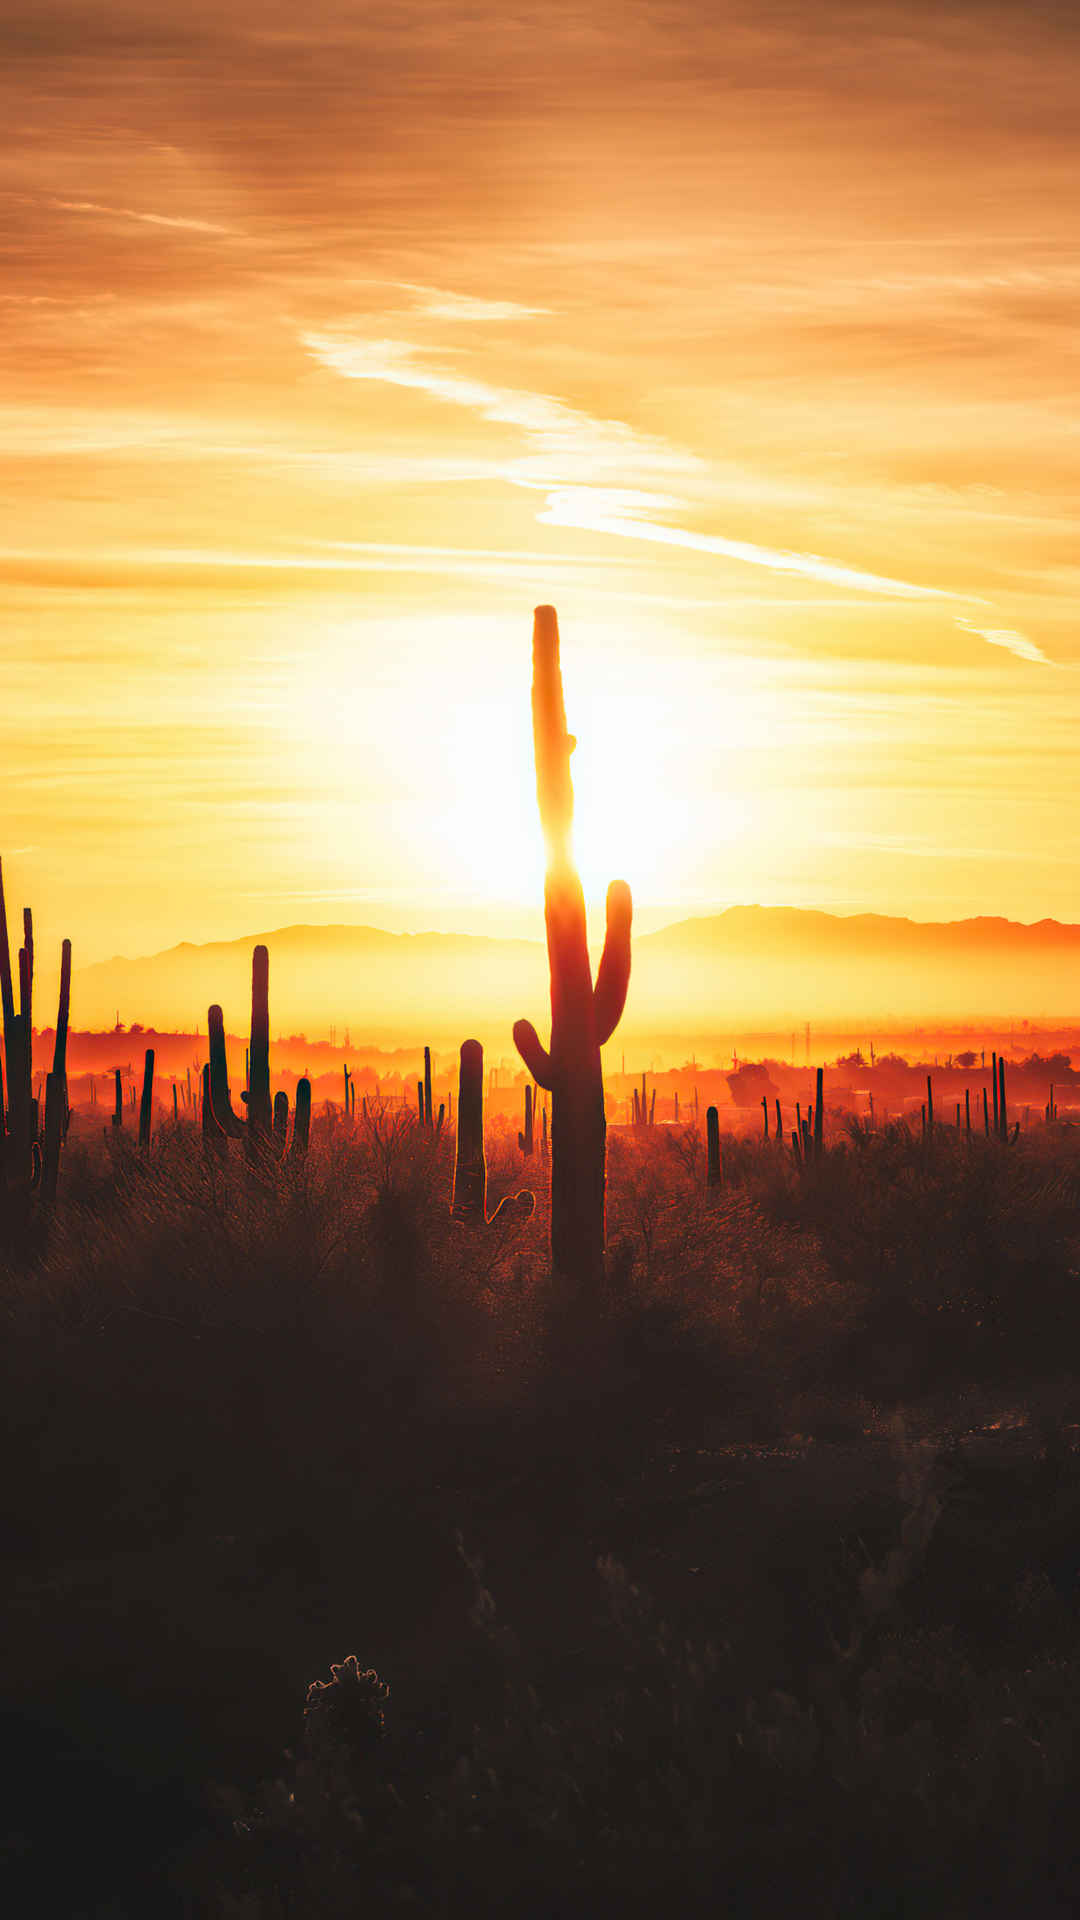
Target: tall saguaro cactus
{"x": 583, "y": 1017}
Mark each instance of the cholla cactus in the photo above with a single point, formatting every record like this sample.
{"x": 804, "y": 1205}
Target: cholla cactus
{"x": 583, "y": 1017}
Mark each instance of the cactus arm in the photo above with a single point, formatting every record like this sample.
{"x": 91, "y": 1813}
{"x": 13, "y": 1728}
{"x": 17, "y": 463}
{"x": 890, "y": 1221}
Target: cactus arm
{"x": 613, "y": 977}
{"x": 60, "y": 1048}
{"x": 28, "y": 949}
{"x": 7, "y": 995}
{"x": 534, "y": 1053}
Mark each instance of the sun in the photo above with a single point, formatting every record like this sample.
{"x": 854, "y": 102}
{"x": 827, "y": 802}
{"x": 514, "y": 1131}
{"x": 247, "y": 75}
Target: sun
{"x": 436, "y": 751}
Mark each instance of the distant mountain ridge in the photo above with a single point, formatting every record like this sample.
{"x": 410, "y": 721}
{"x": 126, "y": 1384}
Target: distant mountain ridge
{"x": 713, "y": 972}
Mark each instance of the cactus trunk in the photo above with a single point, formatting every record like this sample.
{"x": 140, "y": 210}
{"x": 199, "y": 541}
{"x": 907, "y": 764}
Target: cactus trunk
{"x": 714, "y": 1166}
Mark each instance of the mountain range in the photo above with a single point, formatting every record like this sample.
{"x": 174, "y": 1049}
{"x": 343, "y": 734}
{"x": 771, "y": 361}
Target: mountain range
{"x": 747, "y": 966}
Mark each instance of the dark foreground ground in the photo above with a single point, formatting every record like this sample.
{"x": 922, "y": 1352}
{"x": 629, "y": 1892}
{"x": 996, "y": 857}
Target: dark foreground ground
{"x": 749, "y": 1587}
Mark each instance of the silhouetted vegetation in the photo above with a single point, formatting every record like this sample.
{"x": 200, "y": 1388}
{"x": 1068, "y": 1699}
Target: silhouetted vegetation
{"x": 820, "y": 1421}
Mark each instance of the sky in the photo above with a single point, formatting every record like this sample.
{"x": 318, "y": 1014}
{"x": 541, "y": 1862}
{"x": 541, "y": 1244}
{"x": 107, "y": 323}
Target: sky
{"x": 334, "y": 338}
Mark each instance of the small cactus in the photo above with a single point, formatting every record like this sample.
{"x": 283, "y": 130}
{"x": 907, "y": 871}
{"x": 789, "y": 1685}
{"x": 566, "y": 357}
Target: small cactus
{"x": 146, "y": 1103}
{"x": 525, "y": 1140}
{"x": 469, "y": 1201}
{"x": 714, "y": 1170}
{"x": 302, "y": 1119}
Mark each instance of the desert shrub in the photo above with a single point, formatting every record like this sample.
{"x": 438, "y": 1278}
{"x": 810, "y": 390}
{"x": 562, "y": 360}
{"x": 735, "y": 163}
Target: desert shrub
{"x": 906, "y": 1774}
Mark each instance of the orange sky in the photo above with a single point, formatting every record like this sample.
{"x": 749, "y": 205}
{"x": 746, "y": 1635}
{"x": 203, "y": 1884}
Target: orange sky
{"x": 333, "y": 338}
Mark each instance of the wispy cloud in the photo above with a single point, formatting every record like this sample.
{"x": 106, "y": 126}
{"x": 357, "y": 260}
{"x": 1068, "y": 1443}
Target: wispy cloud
{"x": 149, "y": 219}
{"x": 580, "y": 507}
{"x": 566, "y": 442}
{"x": 575, "y": 457}
{"x": 1007, "y": 637}
{"x": 437, "y": 304}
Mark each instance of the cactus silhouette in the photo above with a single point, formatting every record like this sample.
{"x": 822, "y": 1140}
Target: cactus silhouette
{"x": 525, "y": 1140}
{"x": 146, "y": 1102}
{"x": 714, "y": 1165}
{"x": 469, "y": 1202}
{"x": 301, "y": 1119}
{"x": 583, "y": 1017}
{"x": 23, "y": 1167}
{"x": 255, "y": 1131}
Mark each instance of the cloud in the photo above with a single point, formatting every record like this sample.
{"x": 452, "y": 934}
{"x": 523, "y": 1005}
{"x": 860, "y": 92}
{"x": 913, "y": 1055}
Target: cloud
{"x": 577, "y": 507}
{"x": 438, "y": 305}
{"x": 574, "y": 457}
{"x": 567, "y": 443}
{"x": 1007, "y": 637}
{"x": 150, "y": 219}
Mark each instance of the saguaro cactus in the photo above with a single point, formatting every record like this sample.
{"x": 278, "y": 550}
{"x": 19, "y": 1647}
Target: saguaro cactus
{"x": 469, "y": 1201}
{"x": 22, "y": 1165}
{"x": 582, "y": 1017}
{"x": 714, "y": 1169}
{"x": 525, "y": 1140}
{"x": 256, "y": 1129}
{"x": 301, "y": 1119}
{"x": 146, "y": 1103}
